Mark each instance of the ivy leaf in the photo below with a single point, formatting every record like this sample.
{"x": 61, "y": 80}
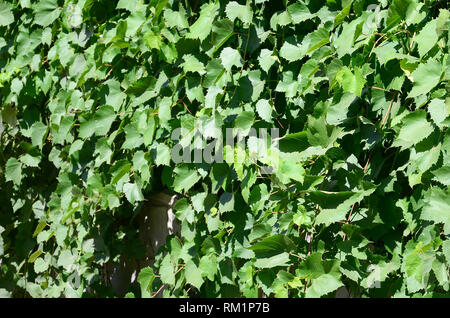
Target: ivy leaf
{"x": 318, "y": 38}
{"x": 230, "y": 57}
{"x": 192, "y": 64}
{"x": 234, "y": 10}
{"x": 175, "y": 19}
{"x": 264, "y": 110}
{"x": 185, "y": 178}
{"x": 427, "y": 38}
{"x": 45, "y": 12}
{"x": 266, "y": 60}
{"x": 291, "y": 170}
{"x": 40, "y": 265}
{"x": 438, "y": 111}
{"x": 414, "y": 266}
{"x": 299, "y": 12}
{"x": 323, "y": 285}
{"x": 414, "y": 129}
{"x": 132, "y": 192}
{"x": 38, "y": 133}
{"x": 281, "y": 259}
{"x": 66, "y": 259}
{"x": 351, "y": 82}
{"x": 13, "y": 171}
{"x": 166, "y": 271}
{"x": 291, "y": 52}
{"x": 145, "y": 280}
{"x": 244, "y": 120}
{"x": 426, "y": 77}
{"x": 437, "y": 208}
{"x": 193, "y": 274}
{"x": 6, "y": 16}
{"x": 202, "y": 27}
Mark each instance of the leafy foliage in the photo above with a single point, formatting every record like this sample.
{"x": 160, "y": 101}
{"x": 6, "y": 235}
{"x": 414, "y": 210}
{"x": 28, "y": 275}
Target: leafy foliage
{"x": 90, "y": 91}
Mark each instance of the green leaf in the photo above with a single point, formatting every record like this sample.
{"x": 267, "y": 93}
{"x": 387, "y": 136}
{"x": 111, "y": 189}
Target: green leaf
{"x": 414, "y": 266}
{"x": 319, "y": 133}
{"x": 266, "y": 59}
{"x": 437, "y": 208}
{"x": 6, "y": 15}
{"x": 175, "y": 19}
{"x": 132, "y": 192}
{"x": 202, "y": 27}
{"x": 438, "y": 111}
{"x": 234, "y": 10}
{"x": 351, "y": 82}
{"x": 38, "y": 133}
{"x": 40, "y": 265}
{"x": 343, "y": 14}
{"x": 426, "y": 38}
{"x": 414, "y": 129}
{"x": 272, "y": 245}
{"x": 34, "y": 256}
{"x": 45, "y": 12}
{"x": 166, "y": 271}
{"x": 323, "y": 285}
{"x": 336, "y": 205}
{"x": 244, "y": 120}
{"x": 164, "y": 110}
{"x": 66, "y": 259}
{"x": 264, "y": 110}
{"x": 442, "y": 175}
{"x": 226, "y": 202}
{"x": 104, "y": 117}
{"x": 161, "y": 154}
{"x": 290, "y": 170}
{"x": 13, "y": 171}
{"x": 193, "y": 274}
{"x": 185, "y": 178}
{"x": 318, "y": 38}
{"x": 446, "y": 250}
{"x": 30, "y": 161}
{"x": 273, "y": 261}
{"x": 145, "y": 280}
{"x": 192, "y": 64}
{"x": 292, "y": 52}
{"x": 299, "y": 12}
{"x": 208, "y": 266}
{"x": 152, "y": 40}
{"x": 230, "y": 57}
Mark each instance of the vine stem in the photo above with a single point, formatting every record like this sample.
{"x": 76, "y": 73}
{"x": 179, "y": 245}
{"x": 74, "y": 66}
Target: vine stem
{"x": 312, "y": 233}
{"x": 370, "y": 156}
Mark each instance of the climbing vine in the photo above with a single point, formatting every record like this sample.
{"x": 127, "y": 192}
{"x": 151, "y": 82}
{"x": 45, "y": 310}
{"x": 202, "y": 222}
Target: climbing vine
{"x": 91, "y": 91}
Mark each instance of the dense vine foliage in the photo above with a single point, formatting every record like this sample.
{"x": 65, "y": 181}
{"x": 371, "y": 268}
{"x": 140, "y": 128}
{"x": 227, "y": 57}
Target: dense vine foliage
{"x": 91, "y": 90}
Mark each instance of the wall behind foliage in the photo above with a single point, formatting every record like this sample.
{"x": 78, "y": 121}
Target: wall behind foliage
{"x": 91, "y": 90}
